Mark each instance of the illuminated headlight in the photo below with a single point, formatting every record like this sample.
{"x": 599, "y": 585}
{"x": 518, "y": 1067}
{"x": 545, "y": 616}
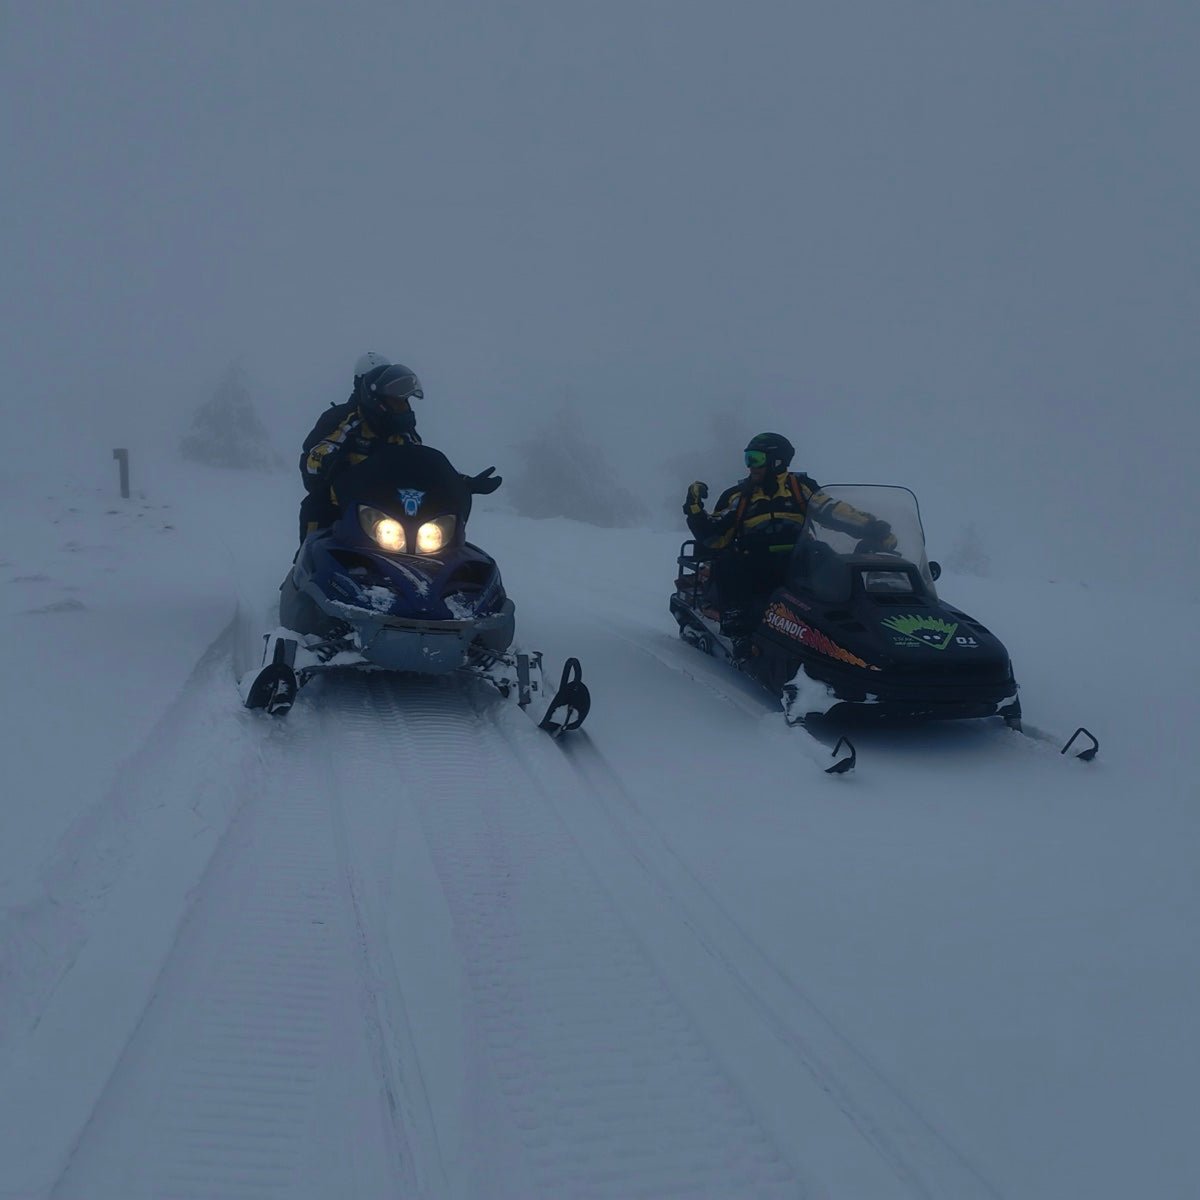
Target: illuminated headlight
{"x": 386, "y": 531}
{"x": 434, "y": 535}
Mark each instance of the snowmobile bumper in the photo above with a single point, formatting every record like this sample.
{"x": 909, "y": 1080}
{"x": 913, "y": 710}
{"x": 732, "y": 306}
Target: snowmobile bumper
{"x": 429, "y": 647}
{"x": 882, "y": 697}
{"x": 390, "y": 642}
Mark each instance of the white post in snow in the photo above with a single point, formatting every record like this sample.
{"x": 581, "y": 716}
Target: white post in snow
{"x": 122, "y": 457}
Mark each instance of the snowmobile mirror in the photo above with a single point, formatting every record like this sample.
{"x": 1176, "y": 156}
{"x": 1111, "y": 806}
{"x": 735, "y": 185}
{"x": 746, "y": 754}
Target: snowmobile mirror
{"x": 935, "y": 571}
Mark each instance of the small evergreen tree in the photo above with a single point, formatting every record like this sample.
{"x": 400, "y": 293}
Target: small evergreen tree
{"x": 967, "y": 556}
{"x": 226, "y": 430}
{"x": 565, "y": 474}
{"x": 718, "y": 462}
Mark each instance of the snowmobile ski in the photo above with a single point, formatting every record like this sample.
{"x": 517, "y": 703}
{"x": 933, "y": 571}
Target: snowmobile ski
{"x": 1088, "y": 752}
{"x": 571, "y": 703}
{"x": 275, "y": 686}
{"x": 843, "y": 764}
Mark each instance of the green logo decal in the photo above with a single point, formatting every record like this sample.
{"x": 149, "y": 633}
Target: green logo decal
{"x": 928, "y": 631}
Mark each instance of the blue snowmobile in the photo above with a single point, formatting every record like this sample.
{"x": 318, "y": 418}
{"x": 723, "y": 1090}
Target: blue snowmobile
{"x": 393, "y": 585}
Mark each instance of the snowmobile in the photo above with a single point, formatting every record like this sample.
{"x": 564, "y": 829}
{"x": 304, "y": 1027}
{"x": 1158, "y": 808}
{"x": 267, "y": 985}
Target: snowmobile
{"x": 393, "y": 585}
{"x": 857, "y": 633}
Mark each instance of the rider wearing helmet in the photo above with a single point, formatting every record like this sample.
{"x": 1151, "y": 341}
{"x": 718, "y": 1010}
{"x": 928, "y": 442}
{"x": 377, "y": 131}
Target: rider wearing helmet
{"x": 765, "y": 509}
{"x": 378, "y": 413}
{"x": 755, "y": 525}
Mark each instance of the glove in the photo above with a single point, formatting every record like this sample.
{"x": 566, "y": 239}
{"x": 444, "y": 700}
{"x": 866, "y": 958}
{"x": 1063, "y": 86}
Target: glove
{"x": 696, "y": 495}
{"x": 879, "y": 533}
{"x": 485, "y": 483}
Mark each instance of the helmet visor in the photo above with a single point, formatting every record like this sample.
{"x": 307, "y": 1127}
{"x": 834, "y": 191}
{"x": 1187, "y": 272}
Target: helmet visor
{"x": 398, "y": 386}
{"x": 756, "y": 459}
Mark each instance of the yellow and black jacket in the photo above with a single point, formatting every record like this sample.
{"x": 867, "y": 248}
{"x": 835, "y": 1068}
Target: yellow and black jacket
{"x": 769, "y": 517}
{"x": 340, "y": 439}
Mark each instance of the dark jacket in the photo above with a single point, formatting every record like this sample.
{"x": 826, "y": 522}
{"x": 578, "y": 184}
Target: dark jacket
{"x": 768, "y": 518}
{"x": 340, "y": 439}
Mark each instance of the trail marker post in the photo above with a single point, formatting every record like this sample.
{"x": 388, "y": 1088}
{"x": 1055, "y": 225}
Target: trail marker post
{"x": 122, "y": 457}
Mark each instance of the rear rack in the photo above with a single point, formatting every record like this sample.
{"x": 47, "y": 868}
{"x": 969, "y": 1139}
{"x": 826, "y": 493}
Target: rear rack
{"x": 689, "y": 570}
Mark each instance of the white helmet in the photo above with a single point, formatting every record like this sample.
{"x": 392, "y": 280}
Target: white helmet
{"x": 368, "y": 362}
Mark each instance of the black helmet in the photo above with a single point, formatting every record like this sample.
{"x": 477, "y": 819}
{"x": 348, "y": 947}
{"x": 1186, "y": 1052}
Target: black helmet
{"x": 384, "y": 393}
{"x": 776, "y": 450}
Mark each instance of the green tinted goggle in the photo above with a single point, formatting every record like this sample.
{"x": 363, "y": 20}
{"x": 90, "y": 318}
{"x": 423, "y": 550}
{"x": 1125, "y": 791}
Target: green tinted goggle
{"x": 756, "y": 458}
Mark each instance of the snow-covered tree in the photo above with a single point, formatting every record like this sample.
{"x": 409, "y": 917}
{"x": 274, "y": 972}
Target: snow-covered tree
{"x": 967, "y": 556}
{"x": 717, "y": 461}
{"x": 226, "y": 430}
{"x": 563, "y": 473}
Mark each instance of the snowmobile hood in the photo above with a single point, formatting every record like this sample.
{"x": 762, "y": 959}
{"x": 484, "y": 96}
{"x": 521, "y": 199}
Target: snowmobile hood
{"x": 348, "y": 570}
{"x": 916, "y": 635}
{"x": 344, "y": 567}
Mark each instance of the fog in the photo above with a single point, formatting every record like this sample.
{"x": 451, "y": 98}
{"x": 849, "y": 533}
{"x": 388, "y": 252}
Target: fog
{"x": 951, "y": 245}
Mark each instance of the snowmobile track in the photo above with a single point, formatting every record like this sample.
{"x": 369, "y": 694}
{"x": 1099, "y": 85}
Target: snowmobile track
{"x": 607, "y": 1086}
{"x": 248, "y": 1032}
{"x": 730, "y": 687}
{"x": 618, "y": 1032}
{"x": 916, "y": 1153}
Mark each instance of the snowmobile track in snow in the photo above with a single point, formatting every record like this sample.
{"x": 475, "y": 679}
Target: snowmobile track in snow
{"x": 615, "y": 1031}
{"x": 251, "y": 1028}
{"x": 813, "y": 1058}
{"x": 546, "y": 923}
{"x": 602, "y": 1077}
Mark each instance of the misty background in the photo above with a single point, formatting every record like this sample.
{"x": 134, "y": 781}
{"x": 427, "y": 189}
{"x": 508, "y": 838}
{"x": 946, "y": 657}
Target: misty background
{"x": 950, "y": 245}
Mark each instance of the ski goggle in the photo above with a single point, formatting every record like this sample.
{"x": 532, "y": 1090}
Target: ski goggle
{"x": 756, "y": 458}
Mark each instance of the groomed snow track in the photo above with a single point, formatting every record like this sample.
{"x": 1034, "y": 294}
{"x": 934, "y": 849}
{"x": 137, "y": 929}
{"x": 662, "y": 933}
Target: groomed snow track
{"x": 434, "y": 954}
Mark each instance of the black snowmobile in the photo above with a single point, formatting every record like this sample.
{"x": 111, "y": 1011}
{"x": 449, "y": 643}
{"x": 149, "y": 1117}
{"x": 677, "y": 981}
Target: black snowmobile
{"x": 858, "y": 632}
{"x": 394, "y": 585}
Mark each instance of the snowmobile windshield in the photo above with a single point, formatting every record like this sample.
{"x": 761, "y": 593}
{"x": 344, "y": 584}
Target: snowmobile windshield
{"x": 868, "y": 532}
{"x": 409, "y": 499}
{"x": 399, "y": 477}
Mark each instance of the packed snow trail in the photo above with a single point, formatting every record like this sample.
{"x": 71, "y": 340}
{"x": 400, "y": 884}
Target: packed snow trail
{"x": 817, "y": 1088}
{"x": 453, "y": 969}
{"x": 402, "y": 943}
{"x": 599, "y": 1076}
{"x": 251, "y": 1072}
{"x": 270, "y": 1050}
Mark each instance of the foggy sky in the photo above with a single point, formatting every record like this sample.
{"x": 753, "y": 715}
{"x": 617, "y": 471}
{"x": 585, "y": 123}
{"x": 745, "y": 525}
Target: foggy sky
{"x": 948, "y": 244}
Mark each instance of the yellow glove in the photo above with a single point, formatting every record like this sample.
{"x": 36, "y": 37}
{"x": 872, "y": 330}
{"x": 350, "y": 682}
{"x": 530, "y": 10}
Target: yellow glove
{"x": 696, "y": 494}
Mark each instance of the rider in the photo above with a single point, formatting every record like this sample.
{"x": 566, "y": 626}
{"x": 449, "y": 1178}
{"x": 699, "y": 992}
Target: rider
{"x": 378, "y": 413}
{"x": 755, "y": 525}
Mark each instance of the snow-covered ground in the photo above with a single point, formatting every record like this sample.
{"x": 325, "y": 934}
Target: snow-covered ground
{"x": 403, "y": 944}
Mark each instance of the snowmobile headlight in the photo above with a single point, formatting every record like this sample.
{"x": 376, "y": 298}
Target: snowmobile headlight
{"x": 887, "y": 581}
{"x": 387, "y": 531}
{"x": 434, "y": 535}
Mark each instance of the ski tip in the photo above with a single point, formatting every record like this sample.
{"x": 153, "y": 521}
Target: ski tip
{"x": 845, "y": 764}
{"x": 273, "y": 689}
{"x": 571, "y": 704}
{"x": 1088, "y": 752}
